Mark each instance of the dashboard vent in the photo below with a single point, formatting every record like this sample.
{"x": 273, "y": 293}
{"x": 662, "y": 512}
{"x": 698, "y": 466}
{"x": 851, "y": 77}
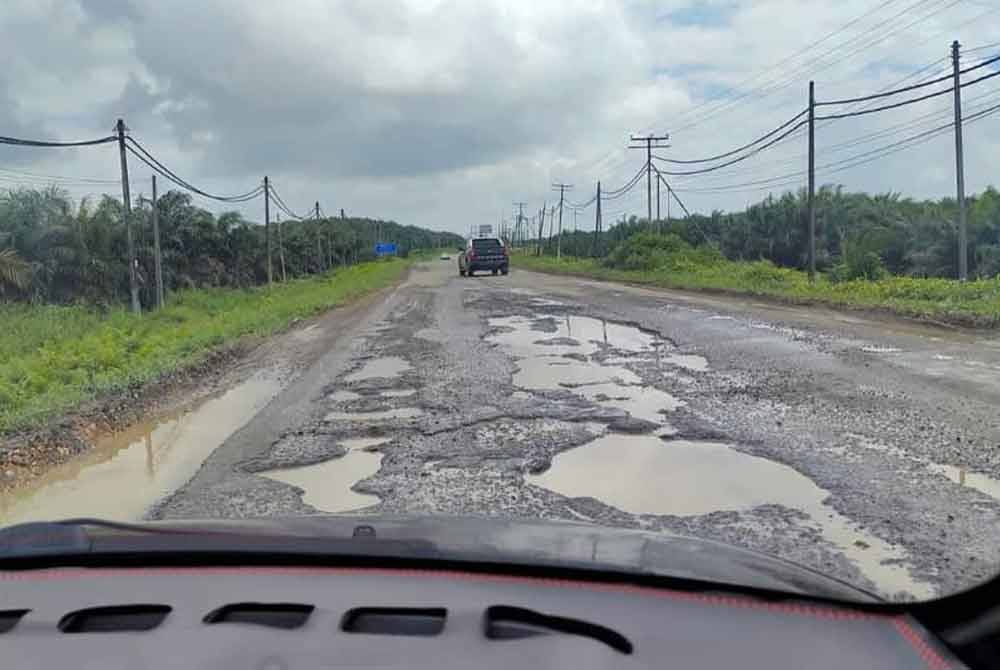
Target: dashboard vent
{"x": 9, "y": 619}
{"x": 514, "y": 623}
{"x": 275, "y": 615}
{"x": 114, "y": 619}
{"x": 395, "y": 620}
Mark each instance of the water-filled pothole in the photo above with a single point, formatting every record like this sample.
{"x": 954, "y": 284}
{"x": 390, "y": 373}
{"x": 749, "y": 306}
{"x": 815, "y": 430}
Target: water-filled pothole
{"x": 327, "y": 486}
{"x": 387, "y": 366}
{"x": 643, "y": 474}
{"x": 399, "y": 413}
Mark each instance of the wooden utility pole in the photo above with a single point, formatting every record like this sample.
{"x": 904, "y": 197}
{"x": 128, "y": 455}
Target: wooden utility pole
{"x": 963, "y": 242}
{"x": 133, "y": 279}
{"x": 649, "y": 142}
{"x": 267, "y": 228}
{"x": 281, "y": 246}
{"x": 157, "y": 257}
{"x": 812, "y": 181}
{"x": 562, "y": 196}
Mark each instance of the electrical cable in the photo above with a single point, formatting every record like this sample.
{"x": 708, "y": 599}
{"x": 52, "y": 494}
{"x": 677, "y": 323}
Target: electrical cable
{"x": 738, "y": 159}
{"x": 742, "y": 148}
{"x": 905, "y": 89}
{"x": 56, "y": 143}
{"x": 142, "y": 154}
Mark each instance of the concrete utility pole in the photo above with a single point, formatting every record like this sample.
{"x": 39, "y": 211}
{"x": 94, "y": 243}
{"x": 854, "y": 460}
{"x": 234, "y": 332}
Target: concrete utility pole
{"x": 658, "y": 201}
{"x": 319, "y": 240}
{"x": 157, "y": 257}
{"x": 520, "y": 214}
{"x": 267, "y": 228}
{"x": 133, "y": 279}
{"x": 812, "y": 181}
{"x": 541, "y": 228}
{"x": 650, "y": 142}
{"x": 281, "y": 247}
{"x": 562, "y": 196}
{"x": 963, "y": 242}
{"x": 597, "y": 222}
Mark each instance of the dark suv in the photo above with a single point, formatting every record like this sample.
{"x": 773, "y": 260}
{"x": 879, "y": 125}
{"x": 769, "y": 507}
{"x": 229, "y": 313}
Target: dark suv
{"x": 484, "y": 253}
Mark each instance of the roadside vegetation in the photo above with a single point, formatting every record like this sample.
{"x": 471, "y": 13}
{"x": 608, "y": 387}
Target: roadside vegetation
{"x": 872, "y": 251}
{"x": 53, "y": 357}
{"x": 669, "y": 261}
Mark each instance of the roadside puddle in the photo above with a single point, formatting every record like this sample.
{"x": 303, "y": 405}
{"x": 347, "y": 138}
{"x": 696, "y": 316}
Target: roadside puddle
{"x": 643, "y": 474}
{"x": 400, "y": 413}
{"x": 344, "y": 396}
{"x": 387, "y": 366}
{"x": 327, "y": 485}
{"x": 973, "y": 480}
{"x": 126, "y": 472}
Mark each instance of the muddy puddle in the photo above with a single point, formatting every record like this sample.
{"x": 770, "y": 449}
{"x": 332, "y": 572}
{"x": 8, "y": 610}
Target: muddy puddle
{"x": 344, "y": 396}
{"x": 562, "y": 357}
{"x": 973, "y": 480}
{"x": 128, "y": 471}
{"x": 398, "y": 393}
{"x": 644, "y": 474}
{"x": 327, "y": 485}
{"x": 387, "y": 366}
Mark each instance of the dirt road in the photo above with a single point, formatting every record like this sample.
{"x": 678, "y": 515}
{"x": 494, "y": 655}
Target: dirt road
{"x": 861, "y": 447}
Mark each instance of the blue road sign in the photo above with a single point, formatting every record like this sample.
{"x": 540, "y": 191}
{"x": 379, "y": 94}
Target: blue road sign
{"x": 385, "y": 249}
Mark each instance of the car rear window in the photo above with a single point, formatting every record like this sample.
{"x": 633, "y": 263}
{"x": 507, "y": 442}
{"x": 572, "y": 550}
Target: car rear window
{"x": 486, "y": 245}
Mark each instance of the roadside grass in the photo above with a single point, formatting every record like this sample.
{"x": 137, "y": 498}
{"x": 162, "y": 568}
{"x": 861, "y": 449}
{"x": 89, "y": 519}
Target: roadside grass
{"x": 52, "y": 357}
{"x": 972, "y": 303}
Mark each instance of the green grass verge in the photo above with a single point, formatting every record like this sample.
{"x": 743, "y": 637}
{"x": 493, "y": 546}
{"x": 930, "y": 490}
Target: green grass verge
{"x": 971, "y": 303}
{"x": 52, "y": 357}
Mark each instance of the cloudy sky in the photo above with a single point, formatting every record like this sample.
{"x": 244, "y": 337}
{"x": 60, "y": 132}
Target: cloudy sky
{"x": 442, "y": 113}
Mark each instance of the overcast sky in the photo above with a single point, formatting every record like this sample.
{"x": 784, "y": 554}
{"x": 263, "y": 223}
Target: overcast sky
{"x": 443, "y": 113}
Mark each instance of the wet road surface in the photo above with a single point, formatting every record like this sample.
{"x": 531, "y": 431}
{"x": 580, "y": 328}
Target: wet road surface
{"x": 864, "y": 448}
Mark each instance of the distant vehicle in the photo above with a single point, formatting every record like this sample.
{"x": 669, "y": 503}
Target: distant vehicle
{"x": 445, "y": 257}
{"x": 484, "y": 253}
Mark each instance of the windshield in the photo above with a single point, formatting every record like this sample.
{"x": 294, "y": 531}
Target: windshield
{"x": 721, "y": 271}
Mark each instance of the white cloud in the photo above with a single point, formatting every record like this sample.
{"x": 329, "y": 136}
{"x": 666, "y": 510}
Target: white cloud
{"x": 442, "y": 112}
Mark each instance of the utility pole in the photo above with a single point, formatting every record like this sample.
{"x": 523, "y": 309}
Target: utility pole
{"x": 963, "y": 251}
{"x": 541, "y": 228}
{"x": 650, "y": 141}
{"x": 812, "y": 181}
{"x": 343, "y": 221}
{"x": 319, "y": 240}
{"x": 562, "y": 195}
{"x": 267, "y": 228}
{"x": 597, "y": 222}
{"x": 520, "y": 213}
{"x": 658, "y": 202}
{"x": 576, "y": 228}
{"x": 552, "y": 221}
{"x": 133, "y": 280}
{"x": 281, "y": 247}
{"x": 157, "y": 257}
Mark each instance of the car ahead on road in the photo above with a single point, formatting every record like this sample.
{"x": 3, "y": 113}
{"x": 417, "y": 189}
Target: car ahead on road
{"x": 482, "y": 254}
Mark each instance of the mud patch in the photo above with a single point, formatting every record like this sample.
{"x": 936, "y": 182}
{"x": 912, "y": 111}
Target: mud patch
{"x": 327, "y": 486}
{"x": 127, "y": 472}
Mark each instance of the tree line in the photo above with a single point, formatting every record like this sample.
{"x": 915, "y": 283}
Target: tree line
{"x": 858, "y": 235}
{"x": 53, "y": 249}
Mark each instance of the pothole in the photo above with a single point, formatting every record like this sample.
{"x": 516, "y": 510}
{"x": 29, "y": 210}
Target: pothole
{"x": 399, "y": 413}
{"x": 344, "y": 396}
{"x": 398, "y": 393}
{"x": 643, "y": 474}
{"x": 387, "y": 366}
{"x": 327, "y": 486}
{"x": 564, "y": 359}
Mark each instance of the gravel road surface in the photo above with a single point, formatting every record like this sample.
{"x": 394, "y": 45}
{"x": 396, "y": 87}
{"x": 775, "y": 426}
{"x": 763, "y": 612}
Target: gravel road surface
{"x": 866, "y": 448}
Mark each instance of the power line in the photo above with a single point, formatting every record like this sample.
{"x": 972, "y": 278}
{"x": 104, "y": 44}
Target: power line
{"x": 142, "y": 154}
{"x": 739, "y": 159}
{"x": 739, "y": 149}
{"x": 56, "y": 143}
